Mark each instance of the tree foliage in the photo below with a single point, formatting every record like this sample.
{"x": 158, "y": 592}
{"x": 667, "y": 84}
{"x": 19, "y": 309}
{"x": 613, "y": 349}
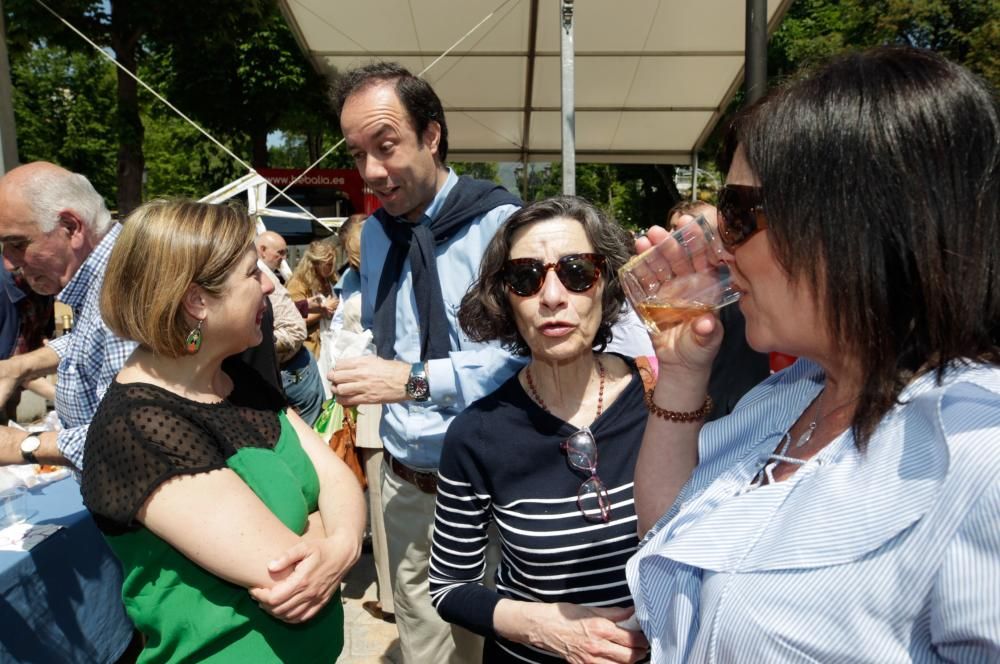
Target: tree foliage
{"x": 478, "y": 169}
{"x": 232, "y": 65}
{"x": 636, "y": 195}
{"x": 966, "y": 31}
{"x": 62, "y": 104}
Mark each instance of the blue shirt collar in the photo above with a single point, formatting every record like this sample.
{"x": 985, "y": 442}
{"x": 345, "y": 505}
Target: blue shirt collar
{"x": 439, "y": 198}
{"x": 92, "y": 268}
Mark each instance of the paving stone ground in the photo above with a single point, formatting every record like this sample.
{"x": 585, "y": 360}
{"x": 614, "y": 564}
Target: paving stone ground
{"x": 366, "y": 640}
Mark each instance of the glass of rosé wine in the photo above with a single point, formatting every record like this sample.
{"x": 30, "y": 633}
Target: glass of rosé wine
{"x": 679, "y": 279}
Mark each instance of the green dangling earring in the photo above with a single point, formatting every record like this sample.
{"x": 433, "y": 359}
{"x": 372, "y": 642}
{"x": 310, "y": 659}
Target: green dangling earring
{"x": 193, "y": 341}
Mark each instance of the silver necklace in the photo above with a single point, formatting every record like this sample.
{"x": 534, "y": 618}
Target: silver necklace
{"x": 807, "y": 435}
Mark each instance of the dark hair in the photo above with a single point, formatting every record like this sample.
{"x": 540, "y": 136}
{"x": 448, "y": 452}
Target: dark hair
{"x": 880, "y": 177}
{"x": 486, "y": 314}
{"x": 416, "y": 95}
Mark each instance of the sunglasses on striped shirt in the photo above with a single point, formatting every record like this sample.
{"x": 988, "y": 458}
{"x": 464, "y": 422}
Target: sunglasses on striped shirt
{"x": 581, "y": 453}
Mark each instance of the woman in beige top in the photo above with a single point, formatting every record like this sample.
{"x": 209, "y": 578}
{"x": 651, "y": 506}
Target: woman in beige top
{"x": 311, "y": 281}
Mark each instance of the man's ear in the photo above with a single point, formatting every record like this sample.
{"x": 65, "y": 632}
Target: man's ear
{"x": 432, "y": 136}
{"x": 193, "y": 302}
{"x": 73, "y": 226}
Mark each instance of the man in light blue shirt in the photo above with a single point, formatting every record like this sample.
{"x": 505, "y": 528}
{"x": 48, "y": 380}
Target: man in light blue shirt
{"x": 419, "y": 255}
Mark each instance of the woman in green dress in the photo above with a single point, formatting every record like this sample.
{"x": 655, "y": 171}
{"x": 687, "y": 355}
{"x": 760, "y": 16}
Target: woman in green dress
{"x": 233, "y": 522}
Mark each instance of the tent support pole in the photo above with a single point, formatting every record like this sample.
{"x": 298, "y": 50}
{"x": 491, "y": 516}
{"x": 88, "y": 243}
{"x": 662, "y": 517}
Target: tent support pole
{"x": 8, "y": 133}
{"x": 568, "y": 111}
{"x": 755, "y": 72}
{"x": 694, "y": 176}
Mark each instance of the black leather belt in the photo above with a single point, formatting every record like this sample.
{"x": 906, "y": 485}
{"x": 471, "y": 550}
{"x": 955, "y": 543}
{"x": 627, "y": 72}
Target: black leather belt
{"x": 426, "y": 482}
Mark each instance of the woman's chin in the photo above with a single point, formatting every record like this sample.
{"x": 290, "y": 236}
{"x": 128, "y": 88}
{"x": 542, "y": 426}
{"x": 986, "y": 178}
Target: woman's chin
{"x": 559, "y": 350}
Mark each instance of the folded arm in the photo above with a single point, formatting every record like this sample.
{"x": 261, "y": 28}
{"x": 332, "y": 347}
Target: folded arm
{"x": 234, "y": 540}
{"x": 312, "y": 568}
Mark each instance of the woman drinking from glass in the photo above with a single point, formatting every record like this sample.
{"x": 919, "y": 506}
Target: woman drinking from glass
{"x": 548, "y": 457}
{"x": 846, "y": 510}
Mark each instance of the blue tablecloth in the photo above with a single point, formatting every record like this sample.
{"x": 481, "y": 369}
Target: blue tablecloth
{"x": 61, "y": 601}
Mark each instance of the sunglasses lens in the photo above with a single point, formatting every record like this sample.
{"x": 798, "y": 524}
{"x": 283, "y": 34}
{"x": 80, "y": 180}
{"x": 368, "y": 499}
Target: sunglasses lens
{"x": 525, "y": 278}
{"x": 581, "y": 450}
{"x": 578, "y": 273}
{"x": 593, "y": 491}
{"x": 738, "y": 209}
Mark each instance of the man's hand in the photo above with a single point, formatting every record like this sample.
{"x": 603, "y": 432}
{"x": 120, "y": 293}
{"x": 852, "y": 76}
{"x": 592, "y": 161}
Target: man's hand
{"x": 369, "y": 379}
{"x": 316, "y": 566}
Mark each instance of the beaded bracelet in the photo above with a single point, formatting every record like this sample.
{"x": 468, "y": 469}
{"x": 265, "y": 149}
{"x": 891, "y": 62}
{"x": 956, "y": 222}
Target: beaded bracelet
{"x": 674, "y": 416}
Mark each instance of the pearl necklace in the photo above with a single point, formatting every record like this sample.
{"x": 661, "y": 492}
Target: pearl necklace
{"x": 600, "y": 390}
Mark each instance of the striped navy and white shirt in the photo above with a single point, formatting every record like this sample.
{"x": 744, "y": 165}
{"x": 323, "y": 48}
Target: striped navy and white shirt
{"x": 892, "y": 555}
{"x": 502, "y": 463}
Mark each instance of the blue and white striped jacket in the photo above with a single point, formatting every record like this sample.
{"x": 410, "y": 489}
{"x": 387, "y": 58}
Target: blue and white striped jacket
{"x": 888, "y": 556}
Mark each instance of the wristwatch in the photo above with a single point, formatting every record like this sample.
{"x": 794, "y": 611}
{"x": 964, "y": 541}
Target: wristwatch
{"x": 29, "y": 446}
{"x": 417, "y": 387}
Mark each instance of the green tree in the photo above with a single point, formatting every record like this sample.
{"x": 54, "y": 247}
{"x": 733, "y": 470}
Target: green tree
{"x": 182, "y": 162}
{"x": 637, "y": 195}
{"x": 62, "y": 106}
{"x": 966, "y": 31}
{"x": 232, "y": 65}
{"x": 478, "y": 169}
{"x": 259, "y": 79}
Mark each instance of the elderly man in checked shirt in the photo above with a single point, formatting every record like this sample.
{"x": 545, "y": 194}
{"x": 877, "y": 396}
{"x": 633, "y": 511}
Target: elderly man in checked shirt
{"x": 55, "y": 227}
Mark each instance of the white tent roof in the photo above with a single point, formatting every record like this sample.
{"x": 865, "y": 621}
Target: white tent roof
{"x": 652, "y": 76}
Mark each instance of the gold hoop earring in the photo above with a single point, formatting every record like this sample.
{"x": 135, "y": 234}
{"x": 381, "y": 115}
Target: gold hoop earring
{"x": 193, "y": 341}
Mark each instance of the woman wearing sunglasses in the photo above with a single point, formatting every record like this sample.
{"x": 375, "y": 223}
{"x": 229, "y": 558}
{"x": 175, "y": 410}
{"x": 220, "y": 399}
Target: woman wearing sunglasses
{"x": 550, "y": 456}
{"x": 846, "y": 510}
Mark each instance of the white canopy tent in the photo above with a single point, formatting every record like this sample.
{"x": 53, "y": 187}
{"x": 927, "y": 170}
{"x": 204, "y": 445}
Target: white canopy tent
{"x": 652, "y": 77}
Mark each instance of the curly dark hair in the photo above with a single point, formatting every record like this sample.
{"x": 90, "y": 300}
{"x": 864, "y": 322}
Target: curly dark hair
{"x": 486, "y": 314}
{"x": 417, "y": 96}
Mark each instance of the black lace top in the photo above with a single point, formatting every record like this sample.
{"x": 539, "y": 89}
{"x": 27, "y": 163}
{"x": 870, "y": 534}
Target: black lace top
{"x": 142, "y": 435}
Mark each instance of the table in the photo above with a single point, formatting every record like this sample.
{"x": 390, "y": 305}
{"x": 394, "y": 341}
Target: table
{"x": 61, "y": 601}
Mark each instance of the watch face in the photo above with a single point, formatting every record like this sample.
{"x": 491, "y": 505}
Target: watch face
{"x": 30, "y": 444}
{"x": 417, "y": 388}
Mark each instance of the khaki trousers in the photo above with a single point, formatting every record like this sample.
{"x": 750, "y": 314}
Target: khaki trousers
{"x": 409, "y": 522}
{"x": 376, "y": 523}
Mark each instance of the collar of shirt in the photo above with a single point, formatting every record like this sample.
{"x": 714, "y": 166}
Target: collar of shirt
{"x": 439, "y": 199}
{"x": 92, "y": 268}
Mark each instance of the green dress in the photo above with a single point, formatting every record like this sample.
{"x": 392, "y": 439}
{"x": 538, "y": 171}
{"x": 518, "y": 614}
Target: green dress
{"x": 186, "y": 613}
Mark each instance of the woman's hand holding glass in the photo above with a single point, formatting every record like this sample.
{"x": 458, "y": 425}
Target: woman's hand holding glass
{"x": 692, "y": 345}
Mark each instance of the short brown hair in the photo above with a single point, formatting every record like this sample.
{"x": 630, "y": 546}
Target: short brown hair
{"x": 165, "y": 247}
{"x": 486, "y": 314}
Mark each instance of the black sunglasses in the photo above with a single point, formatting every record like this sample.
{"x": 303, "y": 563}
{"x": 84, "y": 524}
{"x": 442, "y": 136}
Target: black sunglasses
{"x": 577, "y": 272}
{"x": 741, "y": 214}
